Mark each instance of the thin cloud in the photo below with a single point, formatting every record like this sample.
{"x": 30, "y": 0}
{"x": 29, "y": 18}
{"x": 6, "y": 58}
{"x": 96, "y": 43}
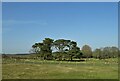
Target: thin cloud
{"x": 13, "y": 22}
{"x": 8, "y": 25}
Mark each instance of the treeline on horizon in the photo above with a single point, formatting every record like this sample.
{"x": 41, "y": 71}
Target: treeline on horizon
{"x": 63, "y": 49}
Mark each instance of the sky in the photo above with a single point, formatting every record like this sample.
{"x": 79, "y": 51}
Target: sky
{"x": 91, "y": 23}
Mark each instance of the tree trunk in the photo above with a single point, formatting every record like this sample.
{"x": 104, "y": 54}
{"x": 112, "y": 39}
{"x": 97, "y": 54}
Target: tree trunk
{"x": 71, "y": 58}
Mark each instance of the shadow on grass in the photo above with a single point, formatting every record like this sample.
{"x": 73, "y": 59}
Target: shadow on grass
{"x": 82, "y": 60}
{"x": 60, "y": 80}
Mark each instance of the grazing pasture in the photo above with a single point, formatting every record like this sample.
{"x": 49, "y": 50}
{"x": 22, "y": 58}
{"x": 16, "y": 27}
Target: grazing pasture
{"x": 38, "y": 69}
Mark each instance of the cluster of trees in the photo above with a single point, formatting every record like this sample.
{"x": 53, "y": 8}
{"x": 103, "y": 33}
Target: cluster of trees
{"x": 106, "y": 52}
{"x": 62, "y": 49}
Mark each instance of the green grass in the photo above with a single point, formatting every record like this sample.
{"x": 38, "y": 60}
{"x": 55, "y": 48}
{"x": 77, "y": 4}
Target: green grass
{"x": 37, "y": 69}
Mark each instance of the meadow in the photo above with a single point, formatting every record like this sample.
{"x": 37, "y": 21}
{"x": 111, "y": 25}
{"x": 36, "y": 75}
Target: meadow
{"x": 50, "y": 69}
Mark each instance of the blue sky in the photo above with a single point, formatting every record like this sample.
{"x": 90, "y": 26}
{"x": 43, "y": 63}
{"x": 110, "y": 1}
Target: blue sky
{"x": 95, "y": 24}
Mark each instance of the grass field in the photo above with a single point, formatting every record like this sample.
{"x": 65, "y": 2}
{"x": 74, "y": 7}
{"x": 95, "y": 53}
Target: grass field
{"x": 37, "y": 69}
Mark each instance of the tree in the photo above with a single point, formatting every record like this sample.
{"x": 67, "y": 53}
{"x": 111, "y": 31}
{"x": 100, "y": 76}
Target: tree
{"x": 110, "y": 52}
{"x": 44, "y": 49}
{"x": 106, "y": 52}
{"x": 35, "y": 50}
{"x": 115, "y": 51}
{"x": 87, "y": 51}
{"x": 61, "y": 45}
{"x": 73, "y": 50}
{"x": 47, "y": 48}
{"x": 79, "y": 55}
{"x": 97, "y": 53}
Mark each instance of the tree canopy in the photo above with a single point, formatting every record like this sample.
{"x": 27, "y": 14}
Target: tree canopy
{"x": 62, "y": 49}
